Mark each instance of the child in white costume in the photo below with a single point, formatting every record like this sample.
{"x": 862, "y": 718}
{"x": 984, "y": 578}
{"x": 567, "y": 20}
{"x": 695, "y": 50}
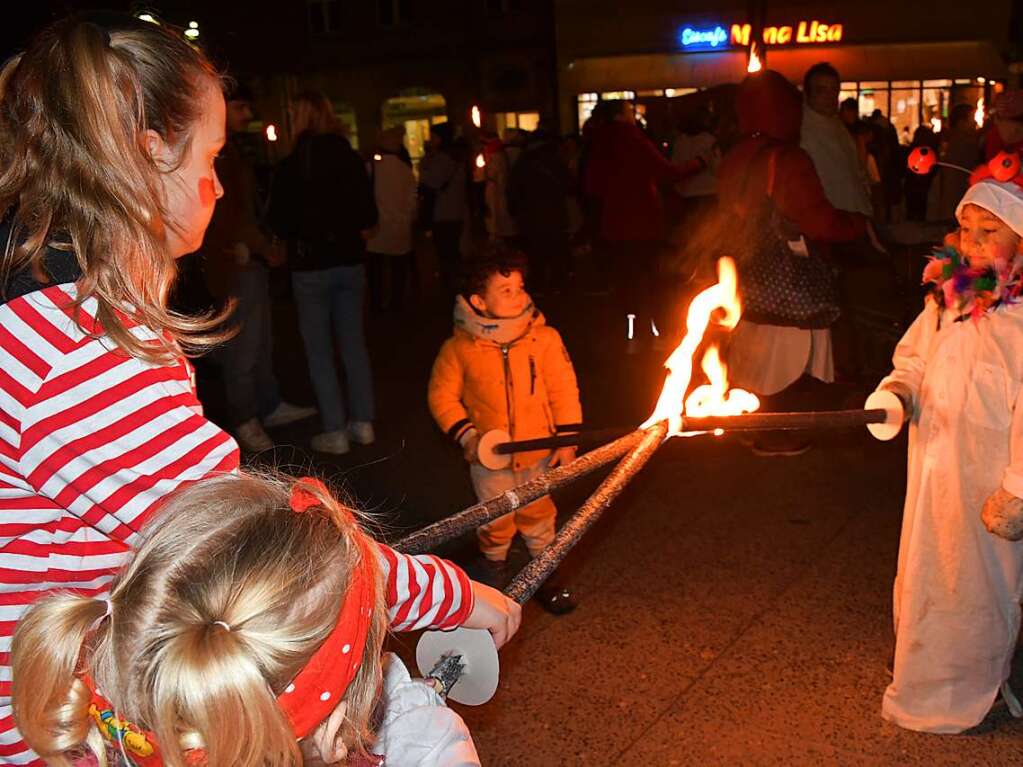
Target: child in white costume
{"x": 958, "y": 371}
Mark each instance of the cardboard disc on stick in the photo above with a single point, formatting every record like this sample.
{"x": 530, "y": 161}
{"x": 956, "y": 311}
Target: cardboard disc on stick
{"x": 479, "y": 654}
{"x": 485, "y": 450}
{"x": 896, "y": 414}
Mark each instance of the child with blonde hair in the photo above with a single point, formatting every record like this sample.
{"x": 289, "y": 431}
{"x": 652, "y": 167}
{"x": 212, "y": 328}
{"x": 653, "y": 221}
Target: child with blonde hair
{"x": 959, "y": 373}
{"x": 108, "y": 135}
{"x": 245, "y": 630}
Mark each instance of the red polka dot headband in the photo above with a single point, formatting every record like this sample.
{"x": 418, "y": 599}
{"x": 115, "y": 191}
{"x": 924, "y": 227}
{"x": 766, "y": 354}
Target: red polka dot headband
{"x": 314, "y": 692}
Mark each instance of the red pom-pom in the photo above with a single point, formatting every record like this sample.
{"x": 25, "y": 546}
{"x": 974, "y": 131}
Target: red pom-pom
{"x": 1005, "y": 166}
{"x": 922, "y": 160}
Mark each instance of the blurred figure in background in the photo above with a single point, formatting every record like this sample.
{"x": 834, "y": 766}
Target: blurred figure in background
{"x": 390, "y": 257}
{"x": 500, "y": 222}
{"x": 961, "y": 148}
{"x": 443, "y": 184}
{"x": 538, "y": 194}
{"x": 826, "y": 138}
{"x": 624, "y": 170}
{"x": 237, "y": 254}
{"x": 323, "y": 204}
{"x": 1007, "y": 111}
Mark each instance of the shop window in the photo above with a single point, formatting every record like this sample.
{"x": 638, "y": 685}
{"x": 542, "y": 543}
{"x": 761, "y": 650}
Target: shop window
{"x": 905, "y": 115}
{"x": 847, "y": 91}
{"x": 618, "y": 96}
{"x": 345, "y": 117}
{"x": 527, "y": 121}
{"x": 654, "y": 93}
{"x": 586, "y": 102}
{"x": 415, "y": 110}
{"x": 874, "y": 98}
{"x": 936, "y": 99}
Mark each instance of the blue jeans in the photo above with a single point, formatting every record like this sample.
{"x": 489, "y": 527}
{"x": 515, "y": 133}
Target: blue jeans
{"x": 247, "y": 359}
{"x": 330, "y": 303}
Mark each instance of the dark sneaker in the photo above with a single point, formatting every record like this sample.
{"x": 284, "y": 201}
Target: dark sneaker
{"x": 557, "y": 600}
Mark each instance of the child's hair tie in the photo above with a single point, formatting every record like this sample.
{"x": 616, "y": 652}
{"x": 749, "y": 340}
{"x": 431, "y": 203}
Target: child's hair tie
{"x": 106, "y": 614}
{"x": 306, "y": 493}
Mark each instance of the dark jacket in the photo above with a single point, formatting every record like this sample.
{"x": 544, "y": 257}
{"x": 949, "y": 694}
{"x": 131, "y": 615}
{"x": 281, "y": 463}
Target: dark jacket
{"x": 538, "y": 189}
{"x": 321, "y": 202}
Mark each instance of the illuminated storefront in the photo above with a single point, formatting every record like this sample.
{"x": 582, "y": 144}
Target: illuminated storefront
{"x": 913, "y": 82}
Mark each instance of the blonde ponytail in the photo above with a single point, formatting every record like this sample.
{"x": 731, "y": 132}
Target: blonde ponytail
{"x": 50, "y": 704}
{"x": 204, "y": 679}
{"x": 223, "y": 603}
{"x": 75, "y": 173}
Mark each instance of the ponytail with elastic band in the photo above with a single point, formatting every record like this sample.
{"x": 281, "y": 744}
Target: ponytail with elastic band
{"x": 51, "y": 705}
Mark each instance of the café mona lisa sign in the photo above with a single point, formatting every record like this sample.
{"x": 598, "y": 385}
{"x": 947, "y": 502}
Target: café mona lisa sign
{"x": 718, "y": 37}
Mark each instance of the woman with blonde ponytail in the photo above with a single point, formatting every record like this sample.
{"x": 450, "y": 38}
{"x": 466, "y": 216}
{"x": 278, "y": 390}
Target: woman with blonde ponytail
{"x": 108, "y": 133}
{"x": 245, "y": 630}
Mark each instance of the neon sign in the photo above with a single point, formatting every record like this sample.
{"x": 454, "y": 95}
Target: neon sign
{"x": 703, "y": 39}
{"x": 804, "y": 32}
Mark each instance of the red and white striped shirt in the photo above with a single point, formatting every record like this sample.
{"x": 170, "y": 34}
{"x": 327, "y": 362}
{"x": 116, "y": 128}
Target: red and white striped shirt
{"x": 91, "y": 441}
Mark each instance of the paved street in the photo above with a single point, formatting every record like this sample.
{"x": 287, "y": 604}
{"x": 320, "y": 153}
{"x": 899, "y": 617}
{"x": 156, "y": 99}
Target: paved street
{"x": 733, "y": 609}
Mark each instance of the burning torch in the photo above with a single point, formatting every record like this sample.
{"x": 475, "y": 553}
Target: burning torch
{"x": 467, "y": 658}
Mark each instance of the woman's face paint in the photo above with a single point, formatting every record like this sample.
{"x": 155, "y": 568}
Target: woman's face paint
{"x": 207, "y": 192}
{"x": 192, "y": 188}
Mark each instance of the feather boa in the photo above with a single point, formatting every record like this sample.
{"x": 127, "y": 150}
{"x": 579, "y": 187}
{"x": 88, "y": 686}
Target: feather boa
{"x": 972, "y": 291}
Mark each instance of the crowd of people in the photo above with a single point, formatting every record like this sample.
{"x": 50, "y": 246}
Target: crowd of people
{"x": 162, "y": 605}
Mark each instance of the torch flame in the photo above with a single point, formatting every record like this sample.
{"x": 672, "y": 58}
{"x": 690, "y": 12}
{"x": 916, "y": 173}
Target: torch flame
{"x": 477, "y": 119}
{"x": 713, "y": 398}
{"x": 978, "y": 115}
{"x": 481, "y": 161}
{"x": 754, "y": 64}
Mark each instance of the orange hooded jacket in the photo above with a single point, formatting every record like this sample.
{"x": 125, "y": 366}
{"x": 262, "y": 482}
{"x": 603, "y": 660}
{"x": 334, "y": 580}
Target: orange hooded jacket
{"x": 510, "y": 374}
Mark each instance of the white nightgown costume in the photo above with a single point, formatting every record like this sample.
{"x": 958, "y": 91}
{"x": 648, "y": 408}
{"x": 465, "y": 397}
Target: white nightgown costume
{"x": 958, "y": 587}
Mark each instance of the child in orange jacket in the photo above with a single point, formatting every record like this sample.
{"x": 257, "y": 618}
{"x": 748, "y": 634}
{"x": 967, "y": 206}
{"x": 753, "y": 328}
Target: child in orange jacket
{"x": 504, "y": 368}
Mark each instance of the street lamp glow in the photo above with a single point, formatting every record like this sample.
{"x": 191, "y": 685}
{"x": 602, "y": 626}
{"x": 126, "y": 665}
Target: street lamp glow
{"x": 477, "y": 119}
{"x": 271, "y": 132}
{"x": 480, "y": 161}
{"x": 192, "y": 33}
{"x": 148, "y": 17}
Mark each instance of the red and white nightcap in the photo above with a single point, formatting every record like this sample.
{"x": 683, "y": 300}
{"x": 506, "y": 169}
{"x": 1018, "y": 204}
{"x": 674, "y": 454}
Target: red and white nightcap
{"x": 1002, "y": 198}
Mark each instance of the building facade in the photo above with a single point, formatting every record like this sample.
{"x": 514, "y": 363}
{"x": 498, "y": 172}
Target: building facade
{"x": 389, "y": 62}
{"x": 913, "y": 61}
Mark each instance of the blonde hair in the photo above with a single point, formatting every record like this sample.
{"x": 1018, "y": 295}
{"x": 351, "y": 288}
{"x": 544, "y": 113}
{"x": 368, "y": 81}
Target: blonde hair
{"x": 313, "y": 113}
{"x": 229, "y": 550}
{"x": 75, "y": 173}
